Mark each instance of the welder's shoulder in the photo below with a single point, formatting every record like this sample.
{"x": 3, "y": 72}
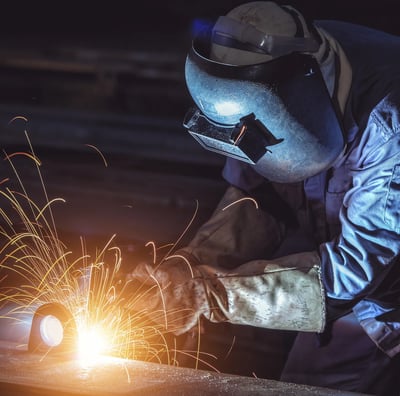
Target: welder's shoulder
{"x": 353, "y": 32}
{"x": 364, "y": 43}
{"x": 387, "y": 112}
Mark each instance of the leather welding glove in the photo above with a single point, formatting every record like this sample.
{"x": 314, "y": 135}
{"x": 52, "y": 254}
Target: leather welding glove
{"x": 285, "y": 294}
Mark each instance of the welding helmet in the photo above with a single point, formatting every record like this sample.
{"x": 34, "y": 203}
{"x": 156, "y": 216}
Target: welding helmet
{"x": 260, "y": 95}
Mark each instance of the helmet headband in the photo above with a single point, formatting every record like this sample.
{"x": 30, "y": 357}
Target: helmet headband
{"x": 231, "y": 33}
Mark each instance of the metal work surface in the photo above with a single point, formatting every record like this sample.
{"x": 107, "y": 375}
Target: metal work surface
{"x": 22, "y": 373}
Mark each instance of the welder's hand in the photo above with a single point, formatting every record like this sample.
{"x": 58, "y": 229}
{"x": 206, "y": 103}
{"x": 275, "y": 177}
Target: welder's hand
{"x": 172, "y": 294}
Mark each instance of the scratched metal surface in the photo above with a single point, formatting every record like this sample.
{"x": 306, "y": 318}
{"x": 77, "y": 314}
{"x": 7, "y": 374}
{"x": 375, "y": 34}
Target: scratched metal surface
{"x": 22, "y": 373}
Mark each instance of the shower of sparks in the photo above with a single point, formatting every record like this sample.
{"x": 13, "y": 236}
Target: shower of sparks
{"x": 45, "y": 272}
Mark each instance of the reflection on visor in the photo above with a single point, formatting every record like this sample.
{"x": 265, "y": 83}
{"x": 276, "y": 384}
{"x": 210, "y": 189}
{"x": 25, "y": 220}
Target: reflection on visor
{"x": 247, "y": 141}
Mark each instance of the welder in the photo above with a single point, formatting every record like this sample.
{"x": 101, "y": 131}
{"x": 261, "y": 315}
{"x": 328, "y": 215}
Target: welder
{"x": 307, "y": 235}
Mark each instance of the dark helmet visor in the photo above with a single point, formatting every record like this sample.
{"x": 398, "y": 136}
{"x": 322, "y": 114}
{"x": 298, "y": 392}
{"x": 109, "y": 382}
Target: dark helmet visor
{"x": 247, "y": 141}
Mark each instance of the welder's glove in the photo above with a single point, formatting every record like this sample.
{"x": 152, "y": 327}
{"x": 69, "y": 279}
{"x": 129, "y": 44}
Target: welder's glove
{"x": 172, "y": 294}
{"x": 285, "y": 294}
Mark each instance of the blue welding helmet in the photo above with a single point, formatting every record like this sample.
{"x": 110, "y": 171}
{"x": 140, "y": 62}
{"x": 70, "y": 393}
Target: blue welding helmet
{"x": 276, "y": 115}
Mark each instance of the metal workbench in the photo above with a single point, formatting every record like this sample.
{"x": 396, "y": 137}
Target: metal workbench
{"x": 22, "y": 373}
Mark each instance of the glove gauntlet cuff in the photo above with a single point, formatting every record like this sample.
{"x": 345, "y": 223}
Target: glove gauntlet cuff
{"x": 283, "y": 294}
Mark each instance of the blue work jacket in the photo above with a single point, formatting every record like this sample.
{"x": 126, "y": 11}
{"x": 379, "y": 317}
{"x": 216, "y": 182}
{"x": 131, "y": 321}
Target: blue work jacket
{"x": 356, "y": 203}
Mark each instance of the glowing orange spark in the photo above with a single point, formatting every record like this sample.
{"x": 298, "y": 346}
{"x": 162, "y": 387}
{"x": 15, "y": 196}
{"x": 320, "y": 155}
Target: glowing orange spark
{"x": 29, "y": 155}
{"x": 153, "y": 245}
{"x": 99, "y": 152}
{"x": 40, "y": 214}
{"x": 17, "y": 118}
{"x": 184, "y": 259}
{"x": 183, "y": 233}
{"x": 241, "y": 200}
{"x": 162, "y": 300}
{"x": 231, "y": 347}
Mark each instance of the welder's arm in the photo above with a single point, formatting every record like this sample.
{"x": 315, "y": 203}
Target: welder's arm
{"x": 285, "y": 294}
{"x": 237, "y": 232}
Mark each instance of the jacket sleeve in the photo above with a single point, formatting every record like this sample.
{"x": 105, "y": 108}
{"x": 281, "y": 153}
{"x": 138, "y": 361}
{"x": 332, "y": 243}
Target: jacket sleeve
{"x": 285, "y": 293}
{"x": 238, "y": 231}
{"x": 354, "y": 263}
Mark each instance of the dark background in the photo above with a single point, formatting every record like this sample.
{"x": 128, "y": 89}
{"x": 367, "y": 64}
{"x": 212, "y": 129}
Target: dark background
{"x": 110, "y": 75}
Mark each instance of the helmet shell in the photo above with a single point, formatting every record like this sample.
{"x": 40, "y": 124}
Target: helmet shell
{"x": 287, "y": 95}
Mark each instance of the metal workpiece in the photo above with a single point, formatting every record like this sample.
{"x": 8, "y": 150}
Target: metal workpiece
{"x": 24, "y": 373}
